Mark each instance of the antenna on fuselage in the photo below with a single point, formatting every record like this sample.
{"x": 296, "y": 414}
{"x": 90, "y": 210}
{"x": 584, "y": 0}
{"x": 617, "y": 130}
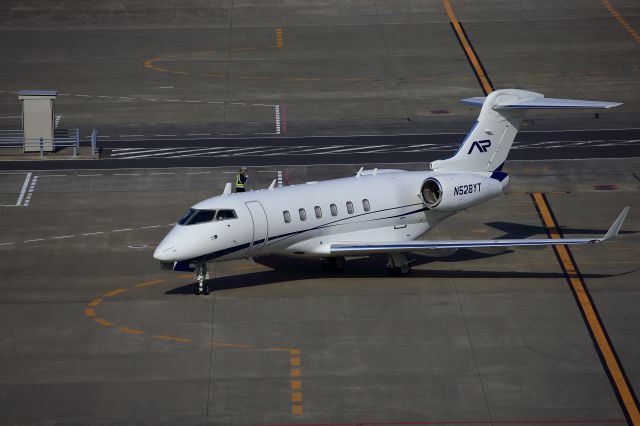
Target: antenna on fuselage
{"x": 227, "y": 189}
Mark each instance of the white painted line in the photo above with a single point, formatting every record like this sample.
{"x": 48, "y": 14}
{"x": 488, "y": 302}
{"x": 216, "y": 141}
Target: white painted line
{"x": 98, "y": 174}
{"x": 194, "y": 102}
{"x": 214, "y": 102}
{"x": 128, "y": 151}
{"x": 6, "y": 244}
{"x": 55, "y": 125}
{"x": 151, "y": 226}
{"x": 131, "y": 136}
{"x": 126, "y": 174}
{"x": 277, "y": 112}
{"x": 63, "y": 236}
{"x": 122, "y": 230}
{"x": 166, "y": 136}
{"x": 197, "y": 173}
{"x": 162, "y": 173}
{"x": 33, "y": 241}
{"x": 106, "y": 97}
{"x": 24, "y": 189}
{"x": 103, "y": 137}
{"x": 93, "y": 233}
{"x": 52, "y": 175}
{"x": 199, "y": 134}
{"x": 124, "y": 97}
{"x": 83, "y": 96}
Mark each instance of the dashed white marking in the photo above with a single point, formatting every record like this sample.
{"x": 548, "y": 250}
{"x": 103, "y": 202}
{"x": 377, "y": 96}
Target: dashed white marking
{"x": 57, "y": 122}
{"x": 126, "y": 174}
{"x": 83, "y": 96}
{"x": 122, "y": 230}
{"x": 215, "y": 102}
{"x": 162, "y": 173}
{"x": 197, "y": 173}
{"x": 105, "y": 97}
{"x": 166, "y": 136}
{"x": 194, "y": 102}
{"x": 165, "y": 87}
{"x": 93, "y": 233}
{"x": 199, "y": 134}
{"x": 24, "y": 189}
{"x": 33, "y": 241}
{"x": 103, "y": 137}
{"x": 62, "y": 237}
{"x": 131, "y": 136}
{"x": 6, "y": 244}
{"x": 97, "y": 174}
{"x": 127, "y": 98}
{"x": 151, "y": 226}
{"x": 277, "y": 112}
{"x": 52, "y": 175}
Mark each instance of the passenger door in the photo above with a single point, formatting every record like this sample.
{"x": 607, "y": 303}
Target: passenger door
{"x": 260, "y": 227}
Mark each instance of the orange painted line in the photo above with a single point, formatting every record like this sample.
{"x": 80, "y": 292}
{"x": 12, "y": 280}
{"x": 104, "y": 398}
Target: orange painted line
{"x": 296, "y": 397}
{"x": 212, "y": 75}
{"x": 115, "y": 292}
{"x": 173, "y": 339}
{"x": 148, "y": 283}
{"x": 621, "y": 20}
{"x": 185, "y": 275}
{"x": 102, "y": 321}
{"x": 130, "y": 330}
{"x": 593, "y": 321}
{"x": 279, "y": 38}
{"x": 95, "y": 302}
{"x": 296, "y": 409}
{"x": 296, "y": 384}
{"x": 295, "y": 372}
{"x": 231, "y": 345}
{"x": 294, "y": 351}
{"x": 467, "y": 48}
{"x": 281, "y": 349}
{"x": 295, "y": 361}
{"x": 90, "y": 312}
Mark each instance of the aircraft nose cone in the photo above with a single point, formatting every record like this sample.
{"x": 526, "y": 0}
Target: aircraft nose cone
{"x": 164, "y": 252}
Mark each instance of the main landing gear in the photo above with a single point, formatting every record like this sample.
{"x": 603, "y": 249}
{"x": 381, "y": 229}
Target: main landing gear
{"x": 201, "y": 276}
{"x": 334, "y": 263}
{"x": 397, "y": 264}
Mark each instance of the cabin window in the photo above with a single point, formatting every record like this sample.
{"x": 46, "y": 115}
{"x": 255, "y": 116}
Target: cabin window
{"x": 226, "y": 214}
{"x": 365, "y": 205}
{"x": 303, "y": 214}
{"x": 318, "y": 212}
{"x": 287, "y": 216}
{"x": 193, "y": 217}
{"x": 334, "y": 210}
{"x": 349, "y": 207}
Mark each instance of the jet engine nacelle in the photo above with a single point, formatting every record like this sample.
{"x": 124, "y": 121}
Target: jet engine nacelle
{"x": 450, "y": 192}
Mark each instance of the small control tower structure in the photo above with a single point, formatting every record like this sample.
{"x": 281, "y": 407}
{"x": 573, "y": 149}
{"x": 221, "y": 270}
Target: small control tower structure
{"x": 38, "y": 119}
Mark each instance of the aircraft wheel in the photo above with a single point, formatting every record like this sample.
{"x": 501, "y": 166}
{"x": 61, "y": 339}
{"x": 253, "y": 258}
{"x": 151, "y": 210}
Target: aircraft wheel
{"x": 334, "y": 263}
{"x": 399, "y": 271}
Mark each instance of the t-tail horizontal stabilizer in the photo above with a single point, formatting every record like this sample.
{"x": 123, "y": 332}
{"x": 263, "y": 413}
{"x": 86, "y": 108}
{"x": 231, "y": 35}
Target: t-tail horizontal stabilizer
{"x": 486, "y": 147}
{"x": 359, "y": 249}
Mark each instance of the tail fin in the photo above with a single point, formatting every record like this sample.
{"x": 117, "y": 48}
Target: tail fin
{"x": 487, "y": 145}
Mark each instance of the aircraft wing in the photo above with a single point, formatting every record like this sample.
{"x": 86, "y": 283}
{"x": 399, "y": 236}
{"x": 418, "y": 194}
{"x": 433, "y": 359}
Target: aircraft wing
{"x": 357, "y": 249}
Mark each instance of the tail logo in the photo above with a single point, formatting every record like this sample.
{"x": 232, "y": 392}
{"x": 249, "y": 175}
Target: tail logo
{"x": 481, "y": 145}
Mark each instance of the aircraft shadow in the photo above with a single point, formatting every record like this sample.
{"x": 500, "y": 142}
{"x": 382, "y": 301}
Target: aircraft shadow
{"x": 518, "y": 230}
{"x": 286, "y": 269}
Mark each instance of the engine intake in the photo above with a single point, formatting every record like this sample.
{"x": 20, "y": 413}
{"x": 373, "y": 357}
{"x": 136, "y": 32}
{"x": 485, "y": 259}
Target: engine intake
{"x": 431, "y": 192}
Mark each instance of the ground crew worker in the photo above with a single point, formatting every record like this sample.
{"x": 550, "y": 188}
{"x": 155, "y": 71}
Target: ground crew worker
{"x": 242, "y": 180}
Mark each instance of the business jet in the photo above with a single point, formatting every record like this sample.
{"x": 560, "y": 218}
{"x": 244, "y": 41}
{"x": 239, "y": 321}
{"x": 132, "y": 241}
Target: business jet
{"x": 374, "y": 212}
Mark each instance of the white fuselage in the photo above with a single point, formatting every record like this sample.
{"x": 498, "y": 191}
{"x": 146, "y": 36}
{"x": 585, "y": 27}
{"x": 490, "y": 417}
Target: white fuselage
{"x": 386, "y": 206}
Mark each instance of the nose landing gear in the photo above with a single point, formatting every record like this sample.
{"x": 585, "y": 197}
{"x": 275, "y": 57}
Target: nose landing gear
{"x": 201, "y": 276}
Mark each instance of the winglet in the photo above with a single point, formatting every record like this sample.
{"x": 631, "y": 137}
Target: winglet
{"x": 615, "y": 228}
{"x": 273, "y": 185}
{"x": 227, "y": 189}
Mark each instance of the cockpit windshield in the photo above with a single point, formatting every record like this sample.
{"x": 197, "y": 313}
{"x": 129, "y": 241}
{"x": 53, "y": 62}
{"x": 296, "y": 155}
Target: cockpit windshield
{"x": 194, "y": 216}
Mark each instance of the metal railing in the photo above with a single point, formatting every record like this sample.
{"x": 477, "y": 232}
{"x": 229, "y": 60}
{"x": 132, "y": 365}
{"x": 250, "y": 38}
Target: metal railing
{"x": 63, "y": 138}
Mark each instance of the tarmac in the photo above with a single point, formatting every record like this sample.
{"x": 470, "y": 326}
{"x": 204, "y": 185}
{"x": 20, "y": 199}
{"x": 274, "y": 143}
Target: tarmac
{"x": 94, "y": 333}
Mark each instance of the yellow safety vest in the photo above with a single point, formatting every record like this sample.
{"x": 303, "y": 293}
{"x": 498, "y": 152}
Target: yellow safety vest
{"x": 239, "y": 183}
